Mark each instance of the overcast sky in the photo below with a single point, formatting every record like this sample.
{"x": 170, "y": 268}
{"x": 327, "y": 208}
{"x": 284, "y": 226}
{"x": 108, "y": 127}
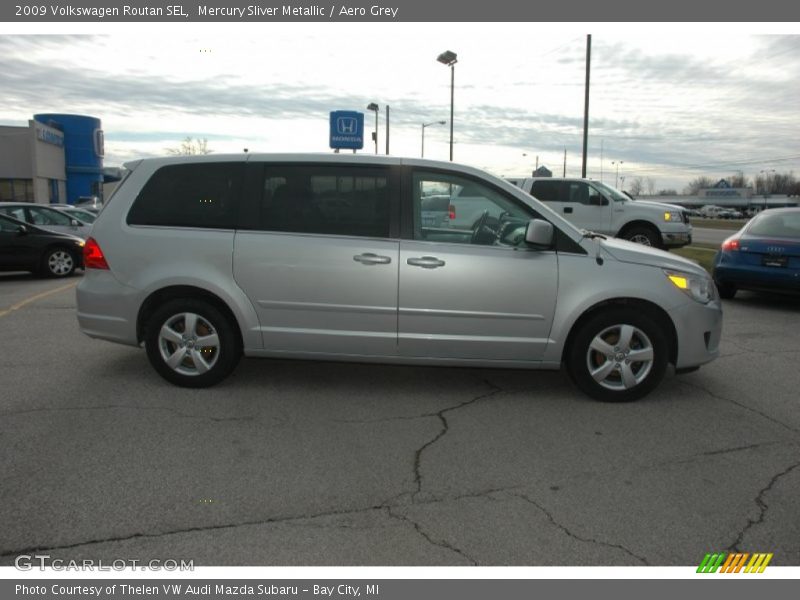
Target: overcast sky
{"x": 670, "y": 103}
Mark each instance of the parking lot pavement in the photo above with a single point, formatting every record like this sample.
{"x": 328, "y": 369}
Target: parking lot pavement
{"x": 295, "y": 463}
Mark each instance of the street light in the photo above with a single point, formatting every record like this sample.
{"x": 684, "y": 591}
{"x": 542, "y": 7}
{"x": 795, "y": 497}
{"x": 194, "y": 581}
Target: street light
{"x": 424, "y": 125}
{"x": 450, "y": 59}
{"x": 617, "y": 163}
{"x": 376, "y": 108}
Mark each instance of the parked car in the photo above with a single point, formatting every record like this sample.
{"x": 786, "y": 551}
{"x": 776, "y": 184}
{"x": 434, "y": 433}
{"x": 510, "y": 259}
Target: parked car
{"x": 203, "y": 259}
{"x": 91, "y": 203}
{"x": 711, "y": 211}
{"x": 25, "y": 247}
{"x": 763, "y": 255}
{"x": 86, "y": 216}
{"x": 45, "y": 217}
{"x": 594, "y": 206}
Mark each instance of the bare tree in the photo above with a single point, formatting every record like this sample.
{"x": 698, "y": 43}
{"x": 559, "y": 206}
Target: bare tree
{"x": 190, "y": 147}
{"x": 697, "y": 184}
{"x": 636, "y": 186}
{"x": 651, "y": 185}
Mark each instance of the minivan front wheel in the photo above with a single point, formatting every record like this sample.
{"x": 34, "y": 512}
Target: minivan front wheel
{"x": 618, "y": 355}
{"x": 191, "y": 343}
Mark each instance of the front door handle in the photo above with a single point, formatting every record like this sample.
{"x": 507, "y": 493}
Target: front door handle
{"x": 368, "y": 258}
{"x": 567, "y": 209}
{"x": 426, "y": 262}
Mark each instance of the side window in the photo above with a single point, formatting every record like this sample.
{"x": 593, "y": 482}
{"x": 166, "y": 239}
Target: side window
{"x": 41, "y": 216}
{"x": 547, "y": 191}
{"x": 190, "y": 195}
{"x": 17, "y": 212}
{"x": 350, "y": 201}
{"x": 578, "y": 191}
{"x": 8, "y": 226}
{"x": 451, "y": 208}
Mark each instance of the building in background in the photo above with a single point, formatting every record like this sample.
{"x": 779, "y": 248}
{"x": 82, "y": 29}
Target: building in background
{"x": 56, "y": 158}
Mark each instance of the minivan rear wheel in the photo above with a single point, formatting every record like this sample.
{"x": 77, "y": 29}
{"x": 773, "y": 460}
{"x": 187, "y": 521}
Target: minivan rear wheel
{"x": 618, "y": 355}
{"x": 191, "y": 343}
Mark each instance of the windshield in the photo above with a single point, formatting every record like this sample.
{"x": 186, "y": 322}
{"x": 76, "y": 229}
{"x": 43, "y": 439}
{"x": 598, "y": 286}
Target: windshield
{"x": 609, "y": 191}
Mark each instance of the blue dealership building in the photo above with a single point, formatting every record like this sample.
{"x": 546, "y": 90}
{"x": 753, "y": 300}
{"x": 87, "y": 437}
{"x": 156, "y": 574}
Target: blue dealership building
{"x": 57, "y": 158}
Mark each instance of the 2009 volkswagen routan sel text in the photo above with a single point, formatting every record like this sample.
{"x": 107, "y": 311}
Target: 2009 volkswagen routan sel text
{"x": 203, "y": 259}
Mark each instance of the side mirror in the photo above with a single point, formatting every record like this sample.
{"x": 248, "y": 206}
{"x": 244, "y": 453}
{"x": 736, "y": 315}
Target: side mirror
{"x": 74, "y": 222}
{"x": 539, "y": 233}
{"x": 597, "y": 200}
{"x": 22, "y": 230}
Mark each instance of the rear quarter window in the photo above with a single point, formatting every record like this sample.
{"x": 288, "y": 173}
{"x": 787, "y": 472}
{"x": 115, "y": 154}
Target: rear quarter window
{"x": 190, "y": 195}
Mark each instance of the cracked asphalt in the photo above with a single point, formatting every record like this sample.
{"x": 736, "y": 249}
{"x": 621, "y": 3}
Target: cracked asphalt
{"x": 298, "y": 463}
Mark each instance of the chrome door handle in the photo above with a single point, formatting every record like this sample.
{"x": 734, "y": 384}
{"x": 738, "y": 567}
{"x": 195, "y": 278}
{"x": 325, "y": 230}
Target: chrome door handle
{"x": 368, "y": 258}
{"x": 426, "y": 262}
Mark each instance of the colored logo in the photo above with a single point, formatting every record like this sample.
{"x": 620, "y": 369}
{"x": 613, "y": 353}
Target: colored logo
{"x": 734, "y": 562}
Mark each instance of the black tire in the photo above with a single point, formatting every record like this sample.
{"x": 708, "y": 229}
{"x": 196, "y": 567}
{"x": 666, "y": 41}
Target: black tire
{"x": 199, "y": 365}
{"x": 606, "y": 326}
{"x": 643, "y": 235}
{"x": 726, "y": 290}
{"x": 57, "y": 262}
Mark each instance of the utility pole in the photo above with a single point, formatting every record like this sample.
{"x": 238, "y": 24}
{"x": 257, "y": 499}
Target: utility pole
{"x": 565, "y": 163}
{"x": 586, "y": 104}
{"x": 387, "y": 130}
{"x": 601, "y": 160}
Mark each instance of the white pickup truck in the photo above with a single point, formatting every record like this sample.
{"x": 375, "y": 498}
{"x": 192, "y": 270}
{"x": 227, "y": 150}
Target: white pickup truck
{"x": 600, "y": 208}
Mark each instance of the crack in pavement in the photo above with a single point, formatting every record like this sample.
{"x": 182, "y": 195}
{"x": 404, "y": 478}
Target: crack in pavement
{"x": 443, "y": 431}
{"x": 133, "y": 536}
{"x": 740, "y": 405}
{"x": 762, "y": 507}
{"x": 438, "y": 543}
{"x": 122, "y": 406}
{"x": 573, "y": 535}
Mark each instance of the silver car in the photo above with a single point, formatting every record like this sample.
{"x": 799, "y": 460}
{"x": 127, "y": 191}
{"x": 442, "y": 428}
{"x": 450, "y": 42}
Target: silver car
{"x": 46, "y": 217}
{"x": 203, "y": 259}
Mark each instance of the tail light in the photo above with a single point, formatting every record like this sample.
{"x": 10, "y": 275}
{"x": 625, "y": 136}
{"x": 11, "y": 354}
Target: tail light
{"x": 731, "y": 244}
{"x": 452, "y": 210}
{"x": 93, "y": 256}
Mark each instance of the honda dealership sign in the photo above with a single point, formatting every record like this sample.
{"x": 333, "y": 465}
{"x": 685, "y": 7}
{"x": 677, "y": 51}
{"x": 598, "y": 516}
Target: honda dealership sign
{"x": 347, "y": 130}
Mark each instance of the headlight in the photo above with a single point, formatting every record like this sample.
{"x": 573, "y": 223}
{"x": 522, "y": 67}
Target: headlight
{"x": 699, "y": 287}
{"x": 672, "y": 216}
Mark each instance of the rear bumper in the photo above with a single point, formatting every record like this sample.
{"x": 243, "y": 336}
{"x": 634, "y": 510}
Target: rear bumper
{"x": 107, "y": 309}
{"x": 756, "y": 276}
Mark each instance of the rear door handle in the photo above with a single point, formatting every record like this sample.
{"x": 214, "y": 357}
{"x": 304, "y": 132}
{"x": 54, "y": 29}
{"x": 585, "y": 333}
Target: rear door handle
{"x": 426, "y": 262}
{"x": 369, "y": 258}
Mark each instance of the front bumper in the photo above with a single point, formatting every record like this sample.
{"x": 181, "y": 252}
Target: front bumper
{"x": 699, "y": 329}
{"x": 676, "y": 239}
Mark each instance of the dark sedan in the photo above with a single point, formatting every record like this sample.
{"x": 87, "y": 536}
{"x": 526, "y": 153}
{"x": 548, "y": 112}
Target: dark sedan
{"x": 763, "y": 255}
{"x": 25, "y": 247}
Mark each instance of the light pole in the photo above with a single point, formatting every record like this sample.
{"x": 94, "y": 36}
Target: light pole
{"x": 616, "y": 179}
{"x": 424, "y": 125}
{"x": 376, "y": 108}
{"x": 450, "y": 59}
{"x": 765, "y": 186}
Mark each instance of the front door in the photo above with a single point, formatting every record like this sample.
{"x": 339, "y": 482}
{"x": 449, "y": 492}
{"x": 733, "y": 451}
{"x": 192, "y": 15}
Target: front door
{"x": 477, "y": 292}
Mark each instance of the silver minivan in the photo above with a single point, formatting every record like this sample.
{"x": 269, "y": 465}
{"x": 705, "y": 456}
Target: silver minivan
{"x": 203, "y": 259}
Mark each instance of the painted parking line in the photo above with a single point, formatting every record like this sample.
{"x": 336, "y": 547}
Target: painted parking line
{"x": 26, "y": 301}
